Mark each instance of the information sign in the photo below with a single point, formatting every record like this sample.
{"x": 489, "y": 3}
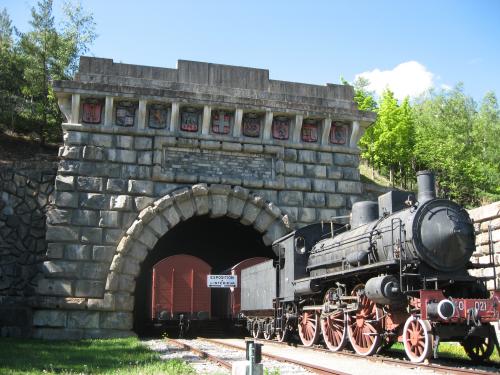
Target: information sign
{"x": 222, "y": 281}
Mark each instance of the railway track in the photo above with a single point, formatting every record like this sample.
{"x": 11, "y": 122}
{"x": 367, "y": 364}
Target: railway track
{"x": 238, "y": 354}
{"x": 452, "y": 367}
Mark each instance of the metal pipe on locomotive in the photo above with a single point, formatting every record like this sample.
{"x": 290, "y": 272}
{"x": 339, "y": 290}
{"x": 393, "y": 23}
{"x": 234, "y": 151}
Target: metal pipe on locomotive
{"x": 398, "y": 272}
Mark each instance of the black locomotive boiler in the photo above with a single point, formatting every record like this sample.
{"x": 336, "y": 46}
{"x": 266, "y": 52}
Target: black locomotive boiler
{"x": 398, "y": 272}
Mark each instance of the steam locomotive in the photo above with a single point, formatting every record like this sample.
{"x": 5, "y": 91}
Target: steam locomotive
{"x": 398, "y": 272}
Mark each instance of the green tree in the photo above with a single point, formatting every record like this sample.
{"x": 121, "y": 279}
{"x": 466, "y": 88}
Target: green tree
{"x": 445, "y": 143}
{"x": 49, "y": 55}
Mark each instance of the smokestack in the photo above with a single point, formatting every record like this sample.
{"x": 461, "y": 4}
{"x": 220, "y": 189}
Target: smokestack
{"x": 426, "y": 186}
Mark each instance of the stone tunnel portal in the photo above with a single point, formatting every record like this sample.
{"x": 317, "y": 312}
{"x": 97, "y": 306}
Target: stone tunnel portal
{"x": 221, "y": 242}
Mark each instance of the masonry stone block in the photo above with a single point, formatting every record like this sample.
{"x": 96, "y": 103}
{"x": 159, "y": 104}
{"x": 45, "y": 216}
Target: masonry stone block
{"x": 101, "y": 140}
{"x": 147, "y": 214}
{"x": 307, "y": 215}
{"x": 65, "y": 183}
{"x": 277, "y": 150}
{"x": 83, "y": 319}
{"x": 51, "y": 287}
{"x": 325, "y": 158}
{"x": 295, "y": 183}
{"x": 141, "y": 187}
{"x": 307, "y": 156}
{"x": 335, "y": 200}
{"x": 290, "y": 154}
{"x": 120, "y": 202}
{"x": 143, "y": 143}
{"x": 122, "y": 156}
{"x": 294, "y": 169}
{"x": 292, "y": 212}
{"x": 124, "y": 141}
{"x": 351, "y": 174}
{"x": 70, "y": 152}
{"x": 263, "y": 221}
{"x": 60, "y": 268}
{"x": 103, "y": 253}
{"x": 315, "y": 171}
{"x": 145, "y": 157}
{"x": 210, "y": 145}
{"x": 116, "y": 320}
{"x": 68, "y": 166}
{"x": 55, "y": 250}
{"x": 94, "y": 270}
{"x": 172, "y": 216}
{"x": 65, "y": 199}
{"x": 349, "y": 187}
{"x": 56, "y": 216}
{"x": 327, "y": 214}
{"x": 135, "y": 229}
{"x": 89, "y": 288}
{"x": 268, "y": 195}
{"x": 218, "y": 206}
{"x": 326, "y": 186}
{"x": 77, "y": 252}
{"x": 142, "y": 202}
{"x": 291, "y": 198}
{"x": 49, "y": 318}
{"x": 75, "y": 138}
{"x": 107, "y": 303}
{"x": 109, "y": 219}
{"x": 138, "y": 251}
{"x": 131, "y": 267}
{"x": 84, "y": 217}
{"x": 148, "y": 238}
{"x": 314, "y": 199}
{"x": 126, "y": 283}
{"x": 61, "y": 234}
{"x": 254, "y": 149}
{"x": 58, "y": 334}
{"x": 94, "y": 201}
{"x": 275, "y": 231}
{"x": 124, "y": 302}
{"x": 235, "y": 207}
{"x": 158, "y": 225}
{"x": 138, "y": 172}
{"x": 334, "y": 173}
{"x": 250, "y": 213}
{"x": 231, "y": 146}
{"x": 93, "y": 153}
{"x": 90, "y": 184}
{"x": 230, "y": 180}
{"x": 346, "y": 160}
{"x": 184, "y": 203}
{"x": 91, "y": 235}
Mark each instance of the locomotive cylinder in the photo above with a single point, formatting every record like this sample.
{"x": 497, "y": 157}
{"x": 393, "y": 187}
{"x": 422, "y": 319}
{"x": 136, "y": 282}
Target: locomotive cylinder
{"x": 384, "y": 290}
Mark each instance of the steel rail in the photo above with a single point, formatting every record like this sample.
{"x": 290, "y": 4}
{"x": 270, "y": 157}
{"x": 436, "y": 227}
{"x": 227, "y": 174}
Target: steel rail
{"x": 308, "y": 366}
{"x": 398, "y": 362}
{"x": 202, "y": 354}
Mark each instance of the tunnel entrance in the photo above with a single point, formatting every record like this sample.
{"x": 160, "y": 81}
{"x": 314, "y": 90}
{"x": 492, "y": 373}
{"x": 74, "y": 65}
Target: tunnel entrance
{"x": 220, "y": 242}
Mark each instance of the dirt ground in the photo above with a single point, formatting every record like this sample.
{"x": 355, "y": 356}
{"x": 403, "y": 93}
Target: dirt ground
{"x": 14, "y": 148}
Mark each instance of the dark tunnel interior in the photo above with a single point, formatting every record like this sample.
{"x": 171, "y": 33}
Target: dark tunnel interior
{"x": 221, "y": 242}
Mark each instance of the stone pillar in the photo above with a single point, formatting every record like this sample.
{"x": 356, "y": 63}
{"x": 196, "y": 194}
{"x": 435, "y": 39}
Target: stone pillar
{"x": 268, "y": 124}
{"x": 141, "y": 123}
{"x": 75, "y": 108}
{"x": 108, "y": 111}
{"x": 296, "y": 128}
{"x": 325, "y": 133}
{"x": 207, "y": 114}
{"x": 355, "y": 134}
{"x": 238, "y": 119}
{"x": 64, "y": 102}
{"x": 175, "y": 117}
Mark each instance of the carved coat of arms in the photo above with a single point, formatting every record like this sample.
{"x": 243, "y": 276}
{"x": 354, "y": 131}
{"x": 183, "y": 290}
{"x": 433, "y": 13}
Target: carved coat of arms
{"x": 190, "y": 119}
{"x": 309, "y": 131}
{"x": 92, "y": 109}
{"x": 251, "y": 125}
{"x": 158, "y": 116}
{"x": 221, "y": 122}
{"x": 338, "y": 133}
{"x": 281, "y": 127}
{"x": 125, "y": 113}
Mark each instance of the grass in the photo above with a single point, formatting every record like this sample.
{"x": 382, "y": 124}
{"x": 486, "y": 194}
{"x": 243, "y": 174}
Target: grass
{"x": 449, "y": 350}
{"x": 114, "y": 356}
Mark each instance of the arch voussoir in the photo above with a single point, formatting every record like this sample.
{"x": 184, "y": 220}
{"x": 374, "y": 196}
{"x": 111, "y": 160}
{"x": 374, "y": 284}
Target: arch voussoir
{"x": 201, "y": 201}
{"x": 218, "y": 196}
{"x": 184, "y": 202}
{"x": 252, "y": 209}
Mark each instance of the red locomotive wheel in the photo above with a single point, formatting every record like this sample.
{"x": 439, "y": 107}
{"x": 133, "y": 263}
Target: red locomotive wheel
{"x": 334, "y": 330}
{"x": 417, "y": 339}
{"x": 363, "y": 327}
{"x": 309, "y": 328}
{"x": 480, "y": 349}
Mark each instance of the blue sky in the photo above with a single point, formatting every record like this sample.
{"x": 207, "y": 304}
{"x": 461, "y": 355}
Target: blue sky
{"x": 410, "y": 45}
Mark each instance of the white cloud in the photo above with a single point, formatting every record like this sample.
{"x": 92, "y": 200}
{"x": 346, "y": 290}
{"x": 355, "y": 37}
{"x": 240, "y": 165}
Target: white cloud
{"x": 407, "y": 79}
{"x": 446, "y": 87}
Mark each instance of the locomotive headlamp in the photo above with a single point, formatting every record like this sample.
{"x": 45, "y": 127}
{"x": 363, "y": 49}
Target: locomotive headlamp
{"x": 444, "y": 309}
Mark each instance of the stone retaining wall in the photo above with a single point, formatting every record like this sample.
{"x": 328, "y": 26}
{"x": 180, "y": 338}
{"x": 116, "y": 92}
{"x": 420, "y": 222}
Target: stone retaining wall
{"x": 485, "y": 217}
{"x": 25, "y": 193}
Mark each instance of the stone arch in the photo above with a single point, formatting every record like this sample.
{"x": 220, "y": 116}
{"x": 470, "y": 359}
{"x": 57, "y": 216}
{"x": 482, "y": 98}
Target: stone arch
{"x": 156, "y": 220}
